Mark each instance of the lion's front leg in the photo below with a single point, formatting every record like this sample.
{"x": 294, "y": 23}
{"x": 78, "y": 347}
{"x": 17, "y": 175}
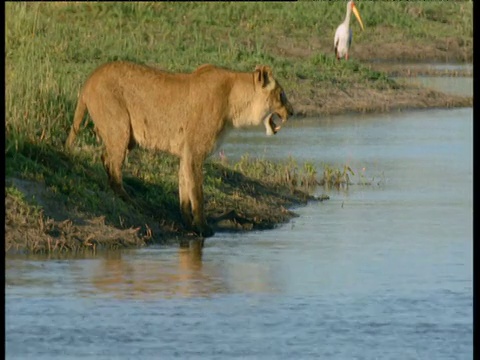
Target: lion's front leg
{"x": 191, "y": 197}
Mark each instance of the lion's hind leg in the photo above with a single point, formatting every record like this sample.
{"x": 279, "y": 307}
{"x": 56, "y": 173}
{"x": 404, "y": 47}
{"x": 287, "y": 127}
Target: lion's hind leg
{"x": 114, "y": 130}
{"x": 185, "y": 203}
{"x": 113, "y": 167}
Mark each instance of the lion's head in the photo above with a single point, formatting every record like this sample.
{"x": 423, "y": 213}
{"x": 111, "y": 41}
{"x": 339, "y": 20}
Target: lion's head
{"x": 278, "y": 105}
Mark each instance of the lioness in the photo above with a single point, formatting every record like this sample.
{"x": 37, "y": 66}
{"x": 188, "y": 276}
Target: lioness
{"x": 184, "y": 114}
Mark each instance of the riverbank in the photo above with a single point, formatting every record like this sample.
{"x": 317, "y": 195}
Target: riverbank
{"x": 61, "y": 203}
{"x": 334, "y": 101}
{"x": 251, "y": 194}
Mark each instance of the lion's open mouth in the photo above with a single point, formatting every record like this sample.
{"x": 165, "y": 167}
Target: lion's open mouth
{"x": 270, "y": 125}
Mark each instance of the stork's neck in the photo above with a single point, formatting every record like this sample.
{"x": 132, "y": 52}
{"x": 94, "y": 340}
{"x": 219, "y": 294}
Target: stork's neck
{"x": 349, "y": 14}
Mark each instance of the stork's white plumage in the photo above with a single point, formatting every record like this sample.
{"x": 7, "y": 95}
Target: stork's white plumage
{"x": 343, "y": 35}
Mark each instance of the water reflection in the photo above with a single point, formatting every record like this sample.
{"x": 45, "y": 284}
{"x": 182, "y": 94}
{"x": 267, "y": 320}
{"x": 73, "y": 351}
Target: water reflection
{"x": 182, "y": 274}
{"x": 150, "y": 273}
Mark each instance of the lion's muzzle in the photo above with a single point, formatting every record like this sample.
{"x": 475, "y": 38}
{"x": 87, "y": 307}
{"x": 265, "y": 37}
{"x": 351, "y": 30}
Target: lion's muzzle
{"x": 284, "y": 113}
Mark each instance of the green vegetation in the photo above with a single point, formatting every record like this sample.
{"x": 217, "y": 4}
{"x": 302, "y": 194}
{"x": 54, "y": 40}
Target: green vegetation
{"x": 51, "y": 48}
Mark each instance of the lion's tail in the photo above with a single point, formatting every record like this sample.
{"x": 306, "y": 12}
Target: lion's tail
{"x": 77, "y": 121}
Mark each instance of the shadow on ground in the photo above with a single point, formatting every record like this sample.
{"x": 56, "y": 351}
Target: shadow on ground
{"x": 78, "y": 211}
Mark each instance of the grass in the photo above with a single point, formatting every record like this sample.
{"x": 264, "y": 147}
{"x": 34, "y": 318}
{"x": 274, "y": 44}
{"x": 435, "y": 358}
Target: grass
{"x": 51, "y": 47}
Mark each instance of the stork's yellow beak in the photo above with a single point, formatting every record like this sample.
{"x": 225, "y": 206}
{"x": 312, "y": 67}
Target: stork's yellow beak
{"x": 357, "y": 15}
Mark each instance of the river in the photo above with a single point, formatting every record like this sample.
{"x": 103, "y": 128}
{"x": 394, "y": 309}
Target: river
{"x": 382, "y": 270}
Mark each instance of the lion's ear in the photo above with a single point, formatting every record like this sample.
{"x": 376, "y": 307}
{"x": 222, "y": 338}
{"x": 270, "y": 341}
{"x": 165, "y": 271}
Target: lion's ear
{"x": 263, "y": 75}
{"x": 258, "y": 73}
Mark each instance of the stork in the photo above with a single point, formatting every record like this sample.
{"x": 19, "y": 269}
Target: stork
{"x": 343, "y": 35}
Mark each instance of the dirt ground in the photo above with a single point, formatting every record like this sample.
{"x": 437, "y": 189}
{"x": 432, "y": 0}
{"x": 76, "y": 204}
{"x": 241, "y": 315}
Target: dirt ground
{"x": 56, "y": 229}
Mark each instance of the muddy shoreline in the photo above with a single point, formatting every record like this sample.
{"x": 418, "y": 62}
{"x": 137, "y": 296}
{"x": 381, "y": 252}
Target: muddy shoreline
{"x": 337, "y": 101}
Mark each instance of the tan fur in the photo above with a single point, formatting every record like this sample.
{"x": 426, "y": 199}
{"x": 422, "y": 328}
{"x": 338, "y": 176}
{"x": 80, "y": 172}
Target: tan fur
{"x": 183, "y": 114}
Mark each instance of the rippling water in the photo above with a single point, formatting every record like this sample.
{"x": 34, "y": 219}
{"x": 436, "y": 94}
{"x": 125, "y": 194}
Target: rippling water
{"x": 380, "y": 271}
